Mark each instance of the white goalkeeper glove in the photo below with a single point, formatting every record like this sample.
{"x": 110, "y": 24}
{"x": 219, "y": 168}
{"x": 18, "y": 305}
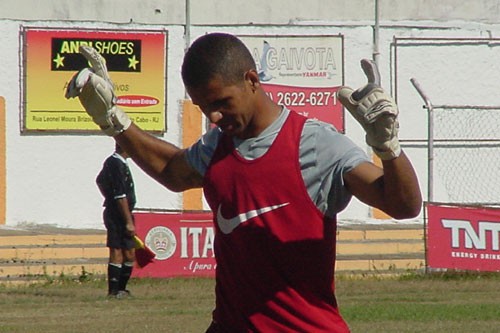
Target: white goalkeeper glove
{"x": 376, "y": 111}
{"x": 94, "y": 89}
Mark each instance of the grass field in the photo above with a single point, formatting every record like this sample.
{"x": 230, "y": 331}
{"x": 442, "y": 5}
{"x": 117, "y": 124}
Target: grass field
{"x": 407, "y": 303}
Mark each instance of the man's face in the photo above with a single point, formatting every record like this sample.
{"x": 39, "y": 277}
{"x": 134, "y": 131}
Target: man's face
{"x": 230, "y": 107}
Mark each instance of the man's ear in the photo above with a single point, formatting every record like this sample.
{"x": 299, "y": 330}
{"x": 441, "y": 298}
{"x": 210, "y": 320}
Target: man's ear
{"x": 252, "y": 77}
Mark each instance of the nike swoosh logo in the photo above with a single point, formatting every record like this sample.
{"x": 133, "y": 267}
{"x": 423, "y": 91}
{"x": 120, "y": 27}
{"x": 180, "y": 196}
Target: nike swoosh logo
{"x": 228, "y": 225}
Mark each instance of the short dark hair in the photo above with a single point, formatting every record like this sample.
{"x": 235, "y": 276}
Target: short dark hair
{"x": 216, "y": 54}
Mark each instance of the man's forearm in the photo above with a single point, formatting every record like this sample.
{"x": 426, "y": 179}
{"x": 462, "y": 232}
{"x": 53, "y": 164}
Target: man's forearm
{"x": 148, "y": 152}
{"x": 126, "y": 214}
{"x": 401, "y": 188}
{"x": 163, "y": 161}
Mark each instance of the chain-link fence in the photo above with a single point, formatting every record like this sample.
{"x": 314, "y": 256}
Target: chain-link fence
{"x": 463, "y": 152}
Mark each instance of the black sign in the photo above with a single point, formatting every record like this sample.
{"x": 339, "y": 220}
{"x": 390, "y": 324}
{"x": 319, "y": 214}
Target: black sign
{"x": 122, "y": 55}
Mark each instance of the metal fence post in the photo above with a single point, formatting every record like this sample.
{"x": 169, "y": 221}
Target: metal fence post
{"x": 430, "y": 139}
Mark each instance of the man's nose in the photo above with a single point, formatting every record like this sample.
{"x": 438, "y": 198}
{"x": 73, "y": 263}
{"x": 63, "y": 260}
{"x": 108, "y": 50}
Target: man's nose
{"x": 214, "y": 116}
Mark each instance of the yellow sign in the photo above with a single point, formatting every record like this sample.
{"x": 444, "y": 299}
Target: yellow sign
{"x": 136, "y": 62}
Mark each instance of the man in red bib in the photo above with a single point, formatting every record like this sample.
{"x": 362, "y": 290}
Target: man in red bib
{"x": 274, "y": 180}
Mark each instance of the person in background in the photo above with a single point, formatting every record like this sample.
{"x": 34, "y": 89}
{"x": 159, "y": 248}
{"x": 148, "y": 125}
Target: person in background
{"x": 274, "y": 180}
{"x": 117, "y": 186}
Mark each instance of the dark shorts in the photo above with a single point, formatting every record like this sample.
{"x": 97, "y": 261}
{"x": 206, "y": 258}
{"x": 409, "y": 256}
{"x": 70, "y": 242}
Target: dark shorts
{"x": 117, "y": 237}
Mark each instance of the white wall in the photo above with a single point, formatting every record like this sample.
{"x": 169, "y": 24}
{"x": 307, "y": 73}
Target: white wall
{"x": 50, "y": 178}
{"x": 235, "y": 12}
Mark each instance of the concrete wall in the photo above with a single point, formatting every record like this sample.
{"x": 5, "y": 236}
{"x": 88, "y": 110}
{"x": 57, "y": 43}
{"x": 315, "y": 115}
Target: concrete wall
{"x": 50, "y": 178}
{"x": 224, "y": 12}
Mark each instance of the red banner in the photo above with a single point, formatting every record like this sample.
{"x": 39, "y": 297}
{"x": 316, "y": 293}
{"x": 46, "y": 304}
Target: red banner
{"x": 312, "y": 102}
{"x": 182, "y": 242}
{"x": 464, "y": 238}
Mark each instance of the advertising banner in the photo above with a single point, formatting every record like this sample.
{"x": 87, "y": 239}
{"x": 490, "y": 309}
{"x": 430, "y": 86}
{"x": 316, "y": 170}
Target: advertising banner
{"x": 182, "y": 242}
{"x": 136, "y": 61}
{"x": 302, "y": 72}
{"x": 463, "y": 238}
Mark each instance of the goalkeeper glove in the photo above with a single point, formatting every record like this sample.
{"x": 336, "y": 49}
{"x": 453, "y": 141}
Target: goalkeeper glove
{"x": 376, "y": 111}
{"x": 94, "y": 89}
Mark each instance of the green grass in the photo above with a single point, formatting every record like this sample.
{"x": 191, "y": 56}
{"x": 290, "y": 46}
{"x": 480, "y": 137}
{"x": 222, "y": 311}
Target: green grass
{"x": 163, "y": 305}
{"x": 448, "y": 302}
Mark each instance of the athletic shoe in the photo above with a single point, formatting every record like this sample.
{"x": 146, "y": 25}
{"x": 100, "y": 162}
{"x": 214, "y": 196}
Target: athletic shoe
{"x": 123, "y": 294}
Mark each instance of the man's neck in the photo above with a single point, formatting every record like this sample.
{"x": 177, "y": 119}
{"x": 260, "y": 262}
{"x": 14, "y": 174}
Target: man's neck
{"x": 267, "y": 114}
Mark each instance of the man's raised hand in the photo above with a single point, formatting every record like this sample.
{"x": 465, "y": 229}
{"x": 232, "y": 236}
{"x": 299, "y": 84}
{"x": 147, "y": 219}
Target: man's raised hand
{"x": 94, "y": 89}
{"x": 376, "y": 111}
